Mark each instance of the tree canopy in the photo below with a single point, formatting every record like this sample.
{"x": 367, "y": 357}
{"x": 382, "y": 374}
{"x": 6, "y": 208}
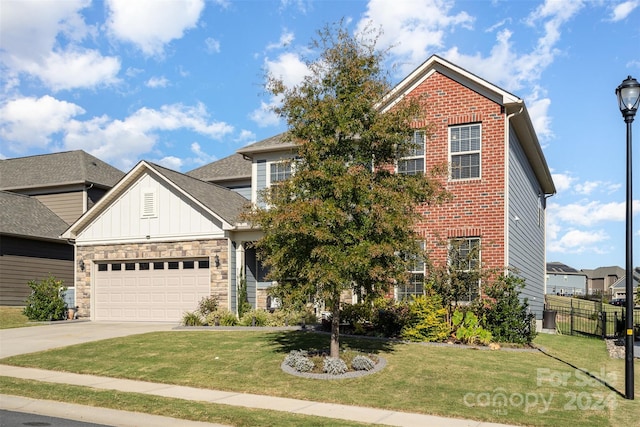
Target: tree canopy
{"x": 344, "y": 220}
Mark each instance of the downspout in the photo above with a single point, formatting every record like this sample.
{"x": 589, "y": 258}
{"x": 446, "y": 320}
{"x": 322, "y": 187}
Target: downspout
{"x": 506, "y": 183}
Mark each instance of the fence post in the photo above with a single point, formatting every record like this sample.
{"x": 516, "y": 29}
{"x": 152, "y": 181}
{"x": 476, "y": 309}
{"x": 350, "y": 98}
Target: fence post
{"x": 571, "y": 325}
{"x": 604, "y": 324}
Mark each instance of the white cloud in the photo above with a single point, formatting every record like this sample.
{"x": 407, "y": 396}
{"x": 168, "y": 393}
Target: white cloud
{"x": 624, "y": 9}
{"x": 580, "y": 241}
{"x": 411, "y": 28}
{"x": 42, "y": 39}
{"x": 30, "y": 122}
{"x": 588, "y": 213}
{"x": 170, "y": 162}
{"x": 264, "y": 115}
{"x": 155, "y": 82}
{"x": 286, "y": 38}
{"x": 201, "y": 157}
{"x": 287, "y": 67}
{"x": 75, "y": 69}
{"x": 562, "y": 181}
{"x": 246, "y": 135}
{"x": 212, "y": 45}
{"x": 150, "y": 26}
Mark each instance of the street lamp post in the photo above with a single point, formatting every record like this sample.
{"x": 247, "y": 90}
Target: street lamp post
{"x": 628, "y": 94}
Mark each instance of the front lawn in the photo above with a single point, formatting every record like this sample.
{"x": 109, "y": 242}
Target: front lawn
{"x": 573, "y": 382}
{"x": 13, "y": 317}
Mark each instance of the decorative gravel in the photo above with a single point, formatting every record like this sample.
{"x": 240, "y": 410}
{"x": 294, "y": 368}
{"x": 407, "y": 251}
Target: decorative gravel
{"x": 382, "y": 362}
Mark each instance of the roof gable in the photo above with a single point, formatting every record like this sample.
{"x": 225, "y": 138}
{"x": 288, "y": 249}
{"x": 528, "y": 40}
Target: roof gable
{"x": 221, "y": 203}
{"x": 48, "y": 170}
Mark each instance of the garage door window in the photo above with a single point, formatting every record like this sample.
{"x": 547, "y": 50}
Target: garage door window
{"x": 173, "y": 265}
{"x": 116, "y": 267}
{"x": 130, "y": 266}
{"x": 158, "y": 265}
{"x": 203, "y": 264}
{"x": 188, "y": 265}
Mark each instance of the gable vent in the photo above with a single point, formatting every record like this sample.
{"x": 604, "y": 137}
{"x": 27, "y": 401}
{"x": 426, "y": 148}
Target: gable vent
{"x": 149, "y": 203}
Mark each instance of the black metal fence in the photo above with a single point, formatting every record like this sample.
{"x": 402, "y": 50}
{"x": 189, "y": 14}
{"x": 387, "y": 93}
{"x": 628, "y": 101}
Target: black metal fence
{"x": 581, "y": 321}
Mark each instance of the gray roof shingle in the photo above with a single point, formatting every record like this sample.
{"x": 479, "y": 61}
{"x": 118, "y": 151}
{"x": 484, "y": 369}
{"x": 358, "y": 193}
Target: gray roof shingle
{"x": 46, "y": 170}
{"x": 28, "y": 217}
{"x": 234, "y": 166}
{"x": 224, "y": 202}
{"x": 274, "y": 143}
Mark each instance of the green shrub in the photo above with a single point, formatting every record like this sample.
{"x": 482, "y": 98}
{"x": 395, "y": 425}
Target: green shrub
{"x": 254, "y": 318}
{"x": 45, "y": 301}
{"x": 243, "y": 299}
{"x": 468, "y": 330}
{"x": 428, "y": 320}
{"x": 390, "y": 317}
{"x": 503, "y": 314}
{"x": 225, "y": 318}
{"x": 208, "y": 305}
{"x": 192, "y": 318}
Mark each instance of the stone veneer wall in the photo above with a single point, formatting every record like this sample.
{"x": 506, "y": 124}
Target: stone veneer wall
{"x": 153, "y": 251}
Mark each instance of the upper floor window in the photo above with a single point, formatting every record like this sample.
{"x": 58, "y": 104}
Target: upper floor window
{"x": 280, "y": 171}
{"x": 413, "y": 162}
{"x": 464, "y": 149}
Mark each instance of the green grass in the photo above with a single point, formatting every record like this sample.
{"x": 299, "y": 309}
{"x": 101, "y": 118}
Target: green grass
{"x": 176, "y": 408}
{"x": 439, "y": 380}
{"x": 12, "y": 317}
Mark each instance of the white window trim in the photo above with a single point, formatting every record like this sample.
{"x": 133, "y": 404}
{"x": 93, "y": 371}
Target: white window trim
{"x": 419, "y": 156}
{"x": 278, "y": 162}
{"x": 451, "y": 154}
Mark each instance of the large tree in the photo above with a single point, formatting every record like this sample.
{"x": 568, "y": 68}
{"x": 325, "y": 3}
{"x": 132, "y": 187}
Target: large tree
{"x": 344, "y": 220}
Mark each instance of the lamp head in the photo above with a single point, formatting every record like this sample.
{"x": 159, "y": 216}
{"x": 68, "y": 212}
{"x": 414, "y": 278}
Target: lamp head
{"x": 628, "y": 94}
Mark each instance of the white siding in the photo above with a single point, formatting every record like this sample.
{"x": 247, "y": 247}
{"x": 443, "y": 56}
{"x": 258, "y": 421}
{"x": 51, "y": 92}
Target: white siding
{"x": 177, "y": 217}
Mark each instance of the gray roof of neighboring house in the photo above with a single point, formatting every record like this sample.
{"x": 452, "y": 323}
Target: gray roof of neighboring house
{"x": 278, "y": 142}
{"x": 27, "y": 217}
{"x": 48, "y": 170}
{"x": 560, "y": 268}
{"x": 602, "y": 272}
{"x": 621, "y": 283}
{"x": 235, "y": 166}
{"x": 224, "y": 202}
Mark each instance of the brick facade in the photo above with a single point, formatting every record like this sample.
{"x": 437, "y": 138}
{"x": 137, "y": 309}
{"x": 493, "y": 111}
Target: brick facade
{"x": 153, "y": 251}
{"x": 477, "y": 208}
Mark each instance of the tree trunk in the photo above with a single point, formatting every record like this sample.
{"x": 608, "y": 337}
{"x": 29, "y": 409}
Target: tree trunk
{"x": 335, "y": 327}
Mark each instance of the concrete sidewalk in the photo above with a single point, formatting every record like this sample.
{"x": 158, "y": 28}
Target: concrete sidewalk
{"x": 294, "y": 406}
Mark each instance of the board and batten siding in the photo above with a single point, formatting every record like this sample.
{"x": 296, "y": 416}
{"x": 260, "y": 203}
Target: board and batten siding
{"x": 151, "y": 210}
{"x": 526, "y": 222}
{"x": 67, "y": 206}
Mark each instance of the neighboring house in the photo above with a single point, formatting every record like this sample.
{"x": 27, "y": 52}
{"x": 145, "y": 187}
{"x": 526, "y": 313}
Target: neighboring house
{"x": 618, "y": 290}
{"x": 565, "y": 280}
{"x": 599, "y": 280}
{"x": 155, "y": 244}
{"x": 160, "y": 240}
{"x": 41, "y": 196}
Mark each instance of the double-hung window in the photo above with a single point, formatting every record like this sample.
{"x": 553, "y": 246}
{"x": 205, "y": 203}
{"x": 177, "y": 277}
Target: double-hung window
{"x": 413, "y": 162}
{"x": 415, "y": 285}
{"x": 280, "y": 171}
{"x": 464, "y": 149}
{"x": 464, "y": 260}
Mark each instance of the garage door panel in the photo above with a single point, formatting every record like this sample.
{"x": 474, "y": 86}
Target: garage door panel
{"x": 149, "y": 294}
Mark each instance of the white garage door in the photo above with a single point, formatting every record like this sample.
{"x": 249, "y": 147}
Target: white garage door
{"x": 149, "y": 290}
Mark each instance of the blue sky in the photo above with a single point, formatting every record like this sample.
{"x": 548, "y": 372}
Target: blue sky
{"x": 180, "y": 83}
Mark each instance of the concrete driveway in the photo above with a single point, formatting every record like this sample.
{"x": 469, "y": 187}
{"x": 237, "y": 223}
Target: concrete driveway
{"x": 61, "y": 334}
